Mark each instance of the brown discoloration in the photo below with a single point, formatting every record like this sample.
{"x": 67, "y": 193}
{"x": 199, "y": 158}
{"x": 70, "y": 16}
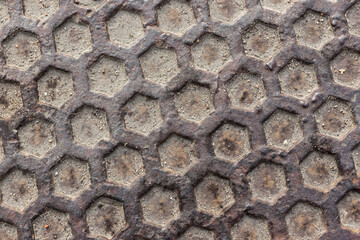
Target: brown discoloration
{"x": 227, "y": 8}
{"x": 260, "y": 44}
{"x": 210, "y": 53}
{"x": 304, "y": 224}
{"x": 283, "y": 130}
{"x": 230, "y": 144}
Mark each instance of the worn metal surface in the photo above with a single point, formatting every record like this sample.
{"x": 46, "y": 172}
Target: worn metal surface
{"x": 218, "y": 119}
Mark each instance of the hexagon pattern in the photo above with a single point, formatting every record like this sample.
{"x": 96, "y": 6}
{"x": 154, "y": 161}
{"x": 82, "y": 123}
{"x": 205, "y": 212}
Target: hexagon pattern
{"x": 160, "y": 206}
{"x": 177, "y": 154}
{"x": 18, "y": 189}
{"x": 179, "y": 119}
{"x": 214, "y": 195}
{"x": 124, "y": 166}
{"x": 105, "y": 218}
{"x": 335, "y": 118}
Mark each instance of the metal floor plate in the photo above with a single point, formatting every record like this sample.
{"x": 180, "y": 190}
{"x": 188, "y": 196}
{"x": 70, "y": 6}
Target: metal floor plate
{"x": 176, "y": 119}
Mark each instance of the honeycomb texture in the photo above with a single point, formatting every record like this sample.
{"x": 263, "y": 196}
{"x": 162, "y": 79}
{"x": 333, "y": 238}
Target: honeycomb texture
{"x": 179, "y": 119}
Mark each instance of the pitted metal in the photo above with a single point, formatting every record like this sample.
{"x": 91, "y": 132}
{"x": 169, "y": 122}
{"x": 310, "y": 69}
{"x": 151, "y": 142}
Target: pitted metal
{"x": 175, "y": 119}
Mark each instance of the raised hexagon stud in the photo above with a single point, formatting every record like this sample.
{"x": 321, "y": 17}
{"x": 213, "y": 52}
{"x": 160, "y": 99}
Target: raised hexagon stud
{"x": 231, "y": 142}
{"x": 267, "y": 182}
{"x": 160, "y": 206}
{"x": 21, "y": 50}
{"x": 214, "y": 195}
{"x": 37, "y": 138}
{"x": 298, "y": 79}
{"x": 125, "y": 28}
{"x": 2, "y": 153}
{"x": 89, "y": 126}
{"x": 142, "y": 114}
{"x": 105, "y": 218}
{"x": 73, "y": 38}
{"x": 335, "y": 118}
{"x": 305, "y": 221}
{"x": 55, "y": 87}
{"x": 210, "y": 53}
{"x": 176, "y": 16}
{"x": 313, "y": 30}
{"x": 319, "y": 170}
{"x": 277, "y": 5}
{"x": 4, "y": 14}
{"x": 194, "y": 102}
{"x": 107, "y": 76}
{"x": 8, "y": 231}
{"x": 227, "y": 11}
{"x": 353, "y": 19}
{"x": 250, "y": 227}
{"x": 345, "y": 68}
{"x": 159, "y": 65}
{"x": 18, "y": 189}
{"x": 283, "y": 130}
{"x": 246, "y": 91}
{"x": 262, "y": 41}
{"x": 124, "y": 166}
{"x": 39, "y": 9}
{"x": 52, "y": 223}
{"x": 349, "y": 211}
{"x": 196, "y": 233}
{"x": 89, "y": 3}
{"x": 177, "y": 154}
{"x": 10, "y": 99}
{"x": 70, "y": 177}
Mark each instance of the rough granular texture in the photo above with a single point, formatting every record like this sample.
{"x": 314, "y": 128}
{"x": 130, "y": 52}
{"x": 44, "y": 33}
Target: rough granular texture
{"x": 179, "y": 119}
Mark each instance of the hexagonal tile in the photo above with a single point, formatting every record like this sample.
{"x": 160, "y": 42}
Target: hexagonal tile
{"x": 142, "y": 114}
{"x": 160, "y": 206}
{"x": 89, "y": 3}
{"x": 73, "y": 38}
{"x": 105, "y": 218}
{"x": 39, "y": 9}
{"x": 196, "y": 233}
{"x": 71, "y": 177}
{"x": 349, "y": 211}
{"x": 298, "y": 79}
{"x": 313, "y": 30}
{"x": 52, "y": 224}
{"x": 124, "y": 166}
{"x": 55, "y": 87}
{"x": 176, "y": 16}
{"x": 262, "y": 41}
{"x": 335, "y": 118}
{"x": 214, "y": 195}
{"x": 10, "y": 99}
{"x": 18, "y": 189}
{"x": 250, "y": 228}
{"x": 159, "y": 65}
{"x": 353, "y": 19}
{"x": 21, "y": 50}
{"x": 305, "y": 221}
{"x": 283, "y": 130}
{"x": 319, "y": 170}
{"x": 37, "y": 138}
{"x": 89, "y": 126}
{"x": 125, "y": 28}
{"x": 246, "y": 91}
{"x": 277, "y": 5}
{"x": 8, "y": 231}
{"x": 231, "y": 142}
{"x": 4, "y": 14}
{"x": 177, "y": 154}
{"x": 194, "y": 102}
{"x": 107, "y": 76}
{"x": 210, "y": 53}
{"x": 267, "y": 182}
{"x": 356, "y": 159}
{"x": 345, "y": 68}
{"x": 227, "y": 11}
